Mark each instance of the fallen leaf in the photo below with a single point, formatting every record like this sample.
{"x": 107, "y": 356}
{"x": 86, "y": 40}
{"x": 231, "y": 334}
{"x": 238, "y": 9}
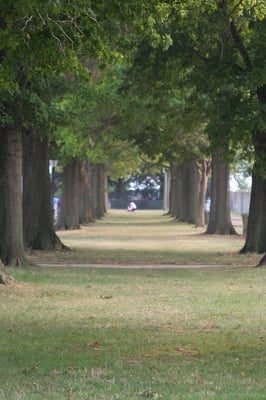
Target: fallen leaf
{"x": 95, "y": 345}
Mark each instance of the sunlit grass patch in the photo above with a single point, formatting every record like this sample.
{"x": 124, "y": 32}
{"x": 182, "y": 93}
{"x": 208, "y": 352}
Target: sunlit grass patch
{"x": 147, "y": 237}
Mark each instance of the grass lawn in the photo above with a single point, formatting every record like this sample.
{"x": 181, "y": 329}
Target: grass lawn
{"x": 147, "y": 237}
{"x": 112, "y": 333}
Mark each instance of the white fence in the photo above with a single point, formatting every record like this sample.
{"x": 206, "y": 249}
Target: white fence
{"x": 239, "y": 201}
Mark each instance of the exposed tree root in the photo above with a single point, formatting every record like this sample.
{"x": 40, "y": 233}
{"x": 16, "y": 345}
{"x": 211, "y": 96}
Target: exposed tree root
{"x": 5, "y": 278}
{"x": 262, "y": 262}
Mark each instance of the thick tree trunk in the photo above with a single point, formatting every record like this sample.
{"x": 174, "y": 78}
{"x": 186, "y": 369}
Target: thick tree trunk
{"x": 11, "y": 231}
{"x": 220, "y": 219}
{"x": 184, "y": 192}
{"x": 98, "y": 188}
{"x": 85, "y": 210}
{"x": 205, "y": 167}
{"x": 102, "y": 189}
{"x": 38, "y": 224}
{"x": 256, "y": 229}
{"x": 192, "y": 185}
{"x": 69, "y": 212}
{"x": 175, "y": 190}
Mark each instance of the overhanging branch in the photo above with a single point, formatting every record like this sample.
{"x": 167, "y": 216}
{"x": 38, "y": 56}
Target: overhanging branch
{"x": 240, "y": 45}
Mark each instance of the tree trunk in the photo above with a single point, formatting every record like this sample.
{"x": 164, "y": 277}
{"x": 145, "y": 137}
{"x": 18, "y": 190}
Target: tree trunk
{"x": 205, "y": 167}
{"x": 69, "y": 212}
{"x": 256, "y": 229}
{"x": 166, "y": 191}
{"x": 220, "y": 219}
{"x": 102, "y": 190}
{"x": 85, "y": 210}
{"x": 192, "y": 188}
{"x": 184, "y": 192}
{"x": 38, "y": 223}
{"x": 11, "y": 230}
{"x": 98, "y": 188}
{"x": 93, "y": 175}
{"x": 175, "y": 190}
{"x": 106, "y": 192}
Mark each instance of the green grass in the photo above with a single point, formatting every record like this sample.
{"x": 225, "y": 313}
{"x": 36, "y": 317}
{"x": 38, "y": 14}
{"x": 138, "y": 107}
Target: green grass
{"x": 87, "y": 333}
{"x": 147, "y": 237}
{"x": 112, "y": 333}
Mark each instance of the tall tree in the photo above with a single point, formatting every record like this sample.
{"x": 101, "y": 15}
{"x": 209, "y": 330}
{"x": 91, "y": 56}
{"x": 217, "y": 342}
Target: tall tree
{"x": 226, "y": 44}
{"x": 37, "y": 38}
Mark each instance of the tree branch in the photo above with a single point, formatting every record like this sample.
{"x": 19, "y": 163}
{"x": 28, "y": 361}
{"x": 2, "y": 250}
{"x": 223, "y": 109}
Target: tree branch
{"x": 196, "y": 52}
{"x": 28, "y": 19}
{"x": 60, "y": 44}
{"x": 240, "y": 46}
{"x": 235, "y": 7}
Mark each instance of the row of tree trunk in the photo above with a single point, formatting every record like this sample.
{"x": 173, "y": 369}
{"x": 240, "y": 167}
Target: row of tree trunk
{"x": 189, "y": 182}
{"x": 26, "y": 215}
{"x": 83, "y": 194}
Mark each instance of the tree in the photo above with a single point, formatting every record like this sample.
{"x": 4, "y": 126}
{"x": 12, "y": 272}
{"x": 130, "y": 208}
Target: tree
{"x": 168, "y": 123}
{"x": 221, "y": 47}
{"x": 35, "y": 39}
{"x": 38, "y": 39}
{"x": 88, "y": 136}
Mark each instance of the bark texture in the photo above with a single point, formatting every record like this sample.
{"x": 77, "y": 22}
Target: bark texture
{"x": 98, "y": 190}
{"x": 11, "y": 230}
{"x": 220, "y": 219}
{"x": 85, "y": 193}
{"x": 38, "y": 223}
{"x": 205, "y": 167}
{"x": 184, "y": 192}
{"x": 175, "y": 182}
{"x": 69, "y": 211}
{"x": 256, "y": 229}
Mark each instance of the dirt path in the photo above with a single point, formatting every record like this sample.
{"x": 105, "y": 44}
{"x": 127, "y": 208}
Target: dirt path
{"x": 134, "y": 266}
